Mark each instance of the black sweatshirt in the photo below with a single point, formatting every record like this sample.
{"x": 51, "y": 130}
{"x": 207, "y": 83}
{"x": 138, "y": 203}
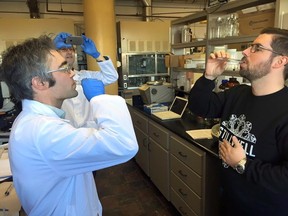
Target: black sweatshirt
{"x": 261, "y": 125}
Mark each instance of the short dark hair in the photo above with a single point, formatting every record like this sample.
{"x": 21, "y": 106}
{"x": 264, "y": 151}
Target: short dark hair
{"x": 20, "y": 63}
{"x": 279, "y": 42}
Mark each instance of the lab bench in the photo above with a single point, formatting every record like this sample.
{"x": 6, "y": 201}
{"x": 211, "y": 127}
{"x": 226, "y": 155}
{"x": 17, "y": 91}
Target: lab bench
{"x": 186, "y": 171}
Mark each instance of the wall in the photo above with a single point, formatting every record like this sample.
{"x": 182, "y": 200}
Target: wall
{"x": 18, "y": 29}
{"x": 50, "y": 10}
{"x": 136, "y": 36}
{"x": 16, "y": 25}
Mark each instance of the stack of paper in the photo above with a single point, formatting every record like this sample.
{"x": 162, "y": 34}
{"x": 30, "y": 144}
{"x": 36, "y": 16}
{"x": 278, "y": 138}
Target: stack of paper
{"x": 200, "y": 134}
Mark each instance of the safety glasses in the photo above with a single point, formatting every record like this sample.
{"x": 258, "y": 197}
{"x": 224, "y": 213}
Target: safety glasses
{"x": 66, "y": 69}
{"x": 258, "y": 47}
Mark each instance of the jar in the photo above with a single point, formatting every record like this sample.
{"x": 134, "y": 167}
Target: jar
{"x": 232, "y": 82}
{"x": 226, "y": 84}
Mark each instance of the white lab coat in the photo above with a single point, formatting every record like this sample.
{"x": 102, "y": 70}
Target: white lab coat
{"x": 77, "y": 108}
{"x": 52, "y": 161}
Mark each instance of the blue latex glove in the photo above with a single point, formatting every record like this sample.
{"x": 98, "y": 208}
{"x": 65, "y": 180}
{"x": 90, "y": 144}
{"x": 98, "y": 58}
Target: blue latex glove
{"x": 89, "y": 47}
{"x": 92, "y": 88}
{"x": 60, "y": 39}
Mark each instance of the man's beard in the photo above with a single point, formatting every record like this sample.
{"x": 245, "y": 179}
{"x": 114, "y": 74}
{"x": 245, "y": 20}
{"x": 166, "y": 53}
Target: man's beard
{"x": 255, "y": 72}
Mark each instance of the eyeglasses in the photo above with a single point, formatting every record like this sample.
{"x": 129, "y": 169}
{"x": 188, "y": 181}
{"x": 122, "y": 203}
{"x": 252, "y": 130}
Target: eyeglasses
{"x": 258, "y": 47}
{"x": 66, "y": 69}
{"x": 71, "y": 49}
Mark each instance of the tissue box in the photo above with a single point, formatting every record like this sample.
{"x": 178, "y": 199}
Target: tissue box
{"x": 157, "y": 107}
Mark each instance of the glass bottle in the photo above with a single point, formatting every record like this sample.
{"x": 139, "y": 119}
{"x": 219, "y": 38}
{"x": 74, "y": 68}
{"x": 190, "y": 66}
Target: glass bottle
{"x": 186, "y": 34}
{"x": 232, "y": 82}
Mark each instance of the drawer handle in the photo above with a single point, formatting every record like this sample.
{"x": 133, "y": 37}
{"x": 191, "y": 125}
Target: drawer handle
{"x": 149, "y": 149}
{"x": 182, "y": 193}
{"x": 145, "y": 142}
{"x": 182, "y": 211}
{"x": 155, "y": 134}
{"x": 182, "y": 155}
{"x": 181, "y": 173}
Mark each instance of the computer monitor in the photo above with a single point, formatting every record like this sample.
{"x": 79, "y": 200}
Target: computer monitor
{"x": 4, "y": 93}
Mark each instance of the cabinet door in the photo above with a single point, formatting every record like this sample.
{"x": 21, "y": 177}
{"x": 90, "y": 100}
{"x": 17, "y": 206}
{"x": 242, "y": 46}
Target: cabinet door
{"x": 142, "y": 157}
{"x": 159, "y": 167}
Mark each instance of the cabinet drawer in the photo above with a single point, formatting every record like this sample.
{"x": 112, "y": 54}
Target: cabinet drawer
{"x": 183, "y": 191}
{"x": 188, "y": 154}
{"x": 180, "y": 205}
{"x": 140, "y": 122}
{"x": 192, "y": 179}
{"x": 158, "y": 134}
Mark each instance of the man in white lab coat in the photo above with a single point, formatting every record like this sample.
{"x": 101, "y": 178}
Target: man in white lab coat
{"x": 77, "y": 108}
{"x": 51, "y": 160}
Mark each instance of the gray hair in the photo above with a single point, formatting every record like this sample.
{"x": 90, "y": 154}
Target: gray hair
{"x": 20, "y": 63}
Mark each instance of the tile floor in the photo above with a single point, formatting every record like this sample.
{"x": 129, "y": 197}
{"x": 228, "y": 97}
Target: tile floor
{"x": 125, "y": 190}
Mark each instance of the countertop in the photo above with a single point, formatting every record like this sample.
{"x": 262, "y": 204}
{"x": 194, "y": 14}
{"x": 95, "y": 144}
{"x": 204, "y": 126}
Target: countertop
{"x": 187, "y": 122}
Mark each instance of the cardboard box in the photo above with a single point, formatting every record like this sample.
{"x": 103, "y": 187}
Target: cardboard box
{"x": 167, "y": 61}
{"x": 174, "y": 60}
{"x": 195, "y": 57}
{"x": 253, "y": 23}
{"x": 181, "y": 60}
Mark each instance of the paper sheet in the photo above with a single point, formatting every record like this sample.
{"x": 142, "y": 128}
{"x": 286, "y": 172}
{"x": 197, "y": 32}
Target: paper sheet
{"x": 200, "y": 134}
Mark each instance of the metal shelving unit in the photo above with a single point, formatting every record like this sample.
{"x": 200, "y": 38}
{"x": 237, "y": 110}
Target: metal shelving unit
{"x": 209, "y": 43}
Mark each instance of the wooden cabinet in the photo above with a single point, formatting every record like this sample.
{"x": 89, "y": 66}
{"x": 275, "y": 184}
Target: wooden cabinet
{"x": 140, "y": 123}
{"x": 153, "y": 154}
{"x": 194, "y": 185}
{"x": 184, "y": 173}
{"x": 187, "y": 168}
{"x": 159, "y": 157}
{"x": 142, "y": 157}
